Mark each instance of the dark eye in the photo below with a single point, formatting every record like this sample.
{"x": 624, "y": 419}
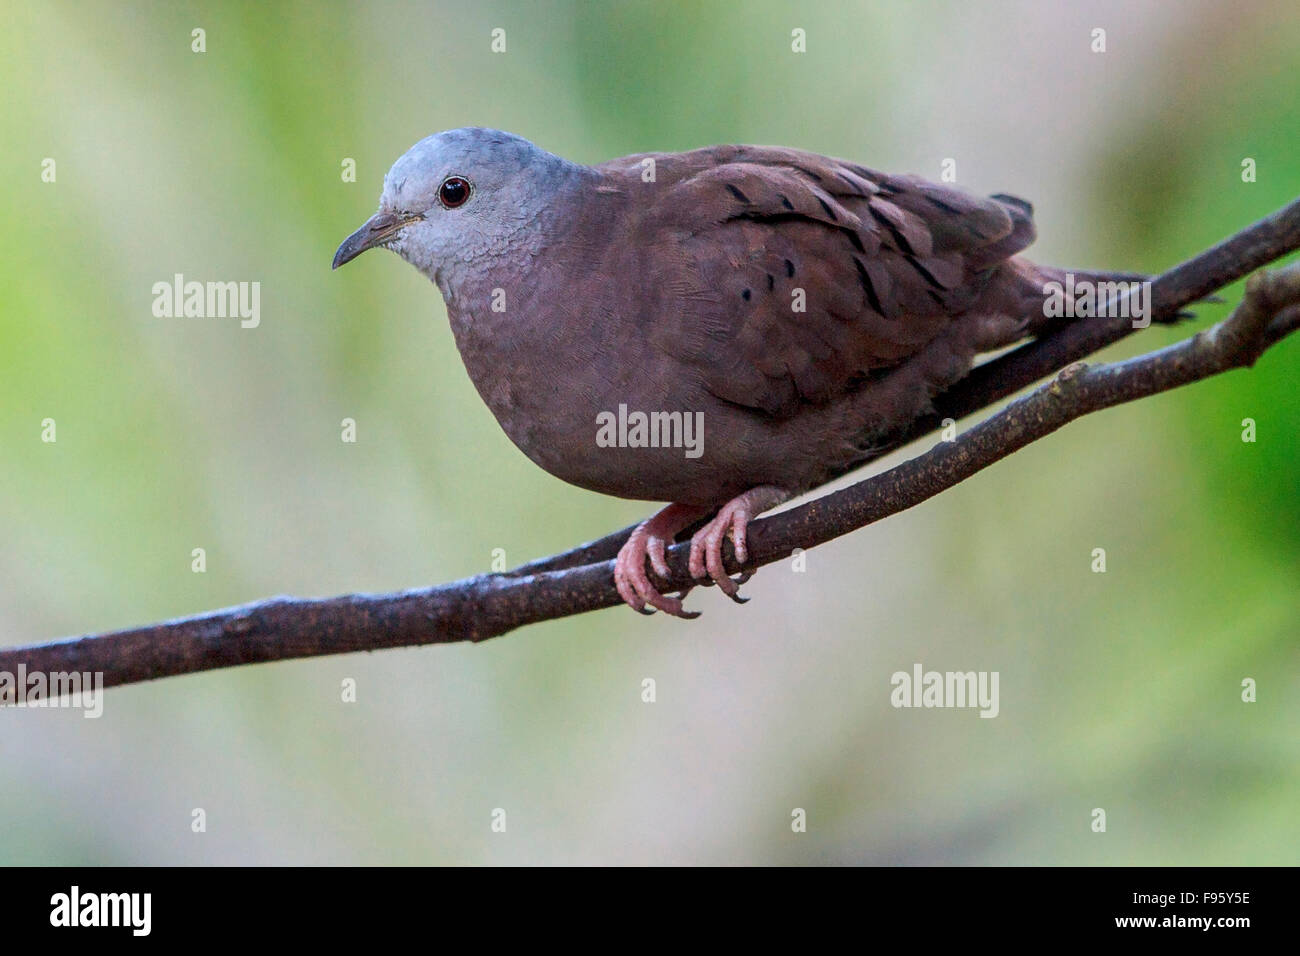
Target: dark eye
{"x": 453, "y": 192}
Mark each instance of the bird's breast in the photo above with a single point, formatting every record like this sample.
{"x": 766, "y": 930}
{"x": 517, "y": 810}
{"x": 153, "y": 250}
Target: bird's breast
{"x": 584, "y": 400}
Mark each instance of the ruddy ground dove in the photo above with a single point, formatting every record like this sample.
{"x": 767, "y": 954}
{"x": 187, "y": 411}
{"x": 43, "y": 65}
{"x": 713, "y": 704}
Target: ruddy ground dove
{"x": 720, "y": 329}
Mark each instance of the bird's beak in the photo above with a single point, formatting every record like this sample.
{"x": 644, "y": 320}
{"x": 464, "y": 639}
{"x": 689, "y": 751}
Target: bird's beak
{"x": 378, "y": 229}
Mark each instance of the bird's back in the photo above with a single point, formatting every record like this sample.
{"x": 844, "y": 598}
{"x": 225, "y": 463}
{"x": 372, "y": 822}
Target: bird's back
{"x": 784, "y": 278}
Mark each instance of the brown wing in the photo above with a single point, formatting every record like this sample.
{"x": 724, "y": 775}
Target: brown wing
{"x": 789, "y": 276}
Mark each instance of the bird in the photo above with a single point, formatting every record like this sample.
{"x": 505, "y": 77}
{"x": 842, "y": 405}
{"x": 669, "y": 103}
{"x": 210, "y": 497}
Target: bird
{"x": 719, "y": 329}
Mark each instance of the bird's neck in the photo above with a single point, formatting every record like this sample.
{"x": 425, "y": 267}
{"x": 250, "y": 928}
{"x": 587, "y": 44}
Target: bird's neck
{"x": 541, "y": 235}
{"x": 528, "y": 298}
{"x": 518, "y": 236}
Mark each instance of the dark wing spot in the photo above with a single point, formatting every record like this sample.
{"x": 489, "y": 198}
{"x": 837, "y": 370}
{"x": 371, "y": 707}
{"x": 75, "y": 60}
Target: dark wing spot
{"x": 867, "y": 286}
{"x": 829, "y": 211}
{"x": 1014, "y": 201}
{"x": 789, "y": 268}
{"x": 856, "y": 240}
{"x": 745, "y": 295}
{"x": 786, "y": 202}
{"x": 946, "y": 207}
{"x": 899, "y": 240}
{"x": 771, "y": 283}
{"x": 924, "y": 272}
{"x": 737, "y": 193}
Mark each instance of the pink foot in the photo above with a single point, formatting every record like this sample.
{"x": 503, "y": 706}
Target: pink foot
{"x": 649, "y": 541}
{"x": 732, "y": 520}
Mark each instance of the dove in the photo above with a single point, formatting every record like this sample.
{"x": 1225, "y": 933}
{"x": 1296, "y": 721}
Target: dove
{"x": 719, "y": 329}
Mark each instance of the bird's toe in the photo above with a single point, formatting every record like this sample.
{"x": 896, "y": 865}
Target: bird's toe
{"x": 706, "y": 561}
{"x": 634, "y": 584}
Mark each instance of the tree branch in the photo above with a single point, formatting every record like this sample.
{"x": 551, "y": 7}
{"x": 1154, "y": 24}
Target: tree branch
{"x": 581, "y": 580}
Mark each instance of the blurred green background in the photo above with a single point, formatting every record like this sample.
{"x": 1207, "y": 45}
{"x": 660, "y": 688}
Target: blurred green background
{"x": 1118, "y": 690}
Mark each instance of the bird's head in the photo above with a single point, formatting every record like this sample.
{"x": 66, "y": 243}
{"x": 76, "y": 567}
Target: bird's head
{"x": 460, "y": 197}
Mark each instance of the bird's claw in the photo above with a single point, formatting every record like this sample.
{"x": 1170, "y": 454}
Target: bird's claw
{"x": 650, "y": 541}
{"x": 706, "y": 564}
{"x": 634, "y": 584}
